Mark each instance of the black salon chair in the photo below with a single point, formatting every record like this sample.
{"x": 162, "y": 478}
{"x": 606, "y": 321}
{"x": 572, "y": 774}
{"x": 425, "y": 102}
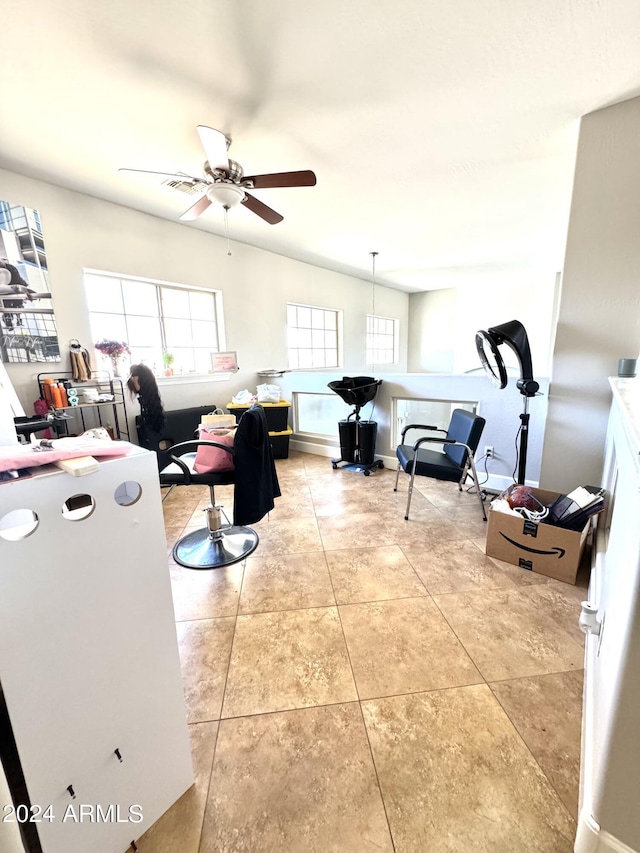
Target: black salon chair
{"x": 255, "y": 483}
{"x": 455, "y": 462}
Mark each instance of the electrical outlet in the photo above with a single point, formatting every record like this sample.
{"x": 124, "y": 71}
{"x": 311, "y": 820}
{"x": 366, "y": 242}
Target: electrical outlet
{"x": 488, "y": 451}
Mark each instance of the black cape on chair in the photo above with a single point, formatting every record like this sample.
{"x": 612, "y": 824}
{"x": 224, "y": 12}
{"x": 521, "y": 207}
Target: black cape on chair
{"x": 256, "y": 481}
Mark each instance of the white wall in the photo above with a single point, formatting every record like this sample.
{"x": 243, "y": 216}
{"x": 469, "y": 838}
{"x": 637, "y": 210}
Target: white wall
{"x": 432, "y": 331}
{"x": 599, "y": 317}
{"x": 80, "y": 231}
{"x": 443, "y": 323}
{"x": 501, "y": 409}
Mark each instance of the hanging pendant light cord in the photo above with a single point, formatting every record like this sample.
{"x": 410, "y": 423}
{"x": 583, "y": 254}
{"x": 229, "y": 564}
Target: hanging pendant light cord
{"x": 373, "y": 282}
{"x": 374, "y": 255}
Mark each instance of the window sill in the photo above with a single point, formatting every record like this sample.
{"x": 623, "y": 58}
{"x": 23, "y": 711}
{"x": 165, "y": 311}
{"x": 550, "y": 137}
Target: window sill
{"x": 192, "y": 378}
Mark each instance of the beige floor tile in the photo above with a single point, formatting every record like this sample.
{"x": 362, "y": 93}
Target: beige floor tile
{"x": 172, "y": 534}
{"x": 509, "y": 635}
{"x": 324, "y": 483}
{"x": 457, "y": 566}
{"x": 372, "y": 574}
{"x": 314, "y": 465}
{"x": 289, "y": 659}
{"x": 562, "y": 601}
{"x": 355, "y": 530}
{"x": 344, "y": 502}
{"x": 206, "y": 593}
{"x": 385, "y": 499}
{"x": 523, "y": 577}
{"x": 403, "y": 646}
{"x": 205, "y": 647}
{"x": 293, "y": 464}
{"x": 290, "y": 536}
{"x": 456, "y": 777}
{"x": 286, "y": 582}
{"x": 455, "y": 773}
{"x": 178, "y": 515}
{"x": 469, "y": 519}
{"x": 547, "y": 712}
{"x": 179, "y": 829}
{"x": 443, "y": 494}
{"x": 295, "y": 782}
{"x": 294, "y": 503}
{"x": 421, "y": 530}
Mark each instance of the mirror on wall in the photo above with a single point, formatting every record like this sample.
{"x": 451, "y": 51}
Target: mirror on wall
{"x": 27, "y": 322}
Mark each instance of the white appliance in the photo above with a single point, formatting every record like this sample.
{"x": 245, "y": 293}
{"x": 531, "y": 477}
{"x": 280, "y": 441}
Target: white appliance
{"x": 609, "y": 816}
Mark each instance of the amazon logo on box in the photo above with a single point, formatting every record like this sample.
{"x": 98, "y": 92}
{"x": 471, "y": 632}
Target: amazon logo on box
{"x": 536, "y": 546}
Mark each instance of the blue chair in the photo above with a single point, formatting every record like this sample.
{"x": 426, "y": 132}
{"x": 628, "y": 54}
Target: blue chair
{"x": 455, "y": 462}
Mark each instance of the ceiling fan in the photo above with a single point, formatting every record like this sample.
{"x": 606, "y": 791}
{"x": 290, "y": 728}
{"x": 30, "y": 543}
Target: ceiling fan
{"x": 224, "y": 180}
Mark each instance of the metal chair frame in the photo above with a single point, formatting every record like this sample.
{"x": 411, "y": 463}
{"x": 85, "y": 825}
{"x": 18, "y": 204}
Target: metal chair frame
{"x": 468, "y": 466}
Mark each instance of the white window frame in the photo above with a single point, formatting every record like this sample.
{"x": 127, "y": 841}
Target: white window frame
{"x": 159, "y": 285}
{"x": 393, "y": 350}
{"x": 294, "y": 330}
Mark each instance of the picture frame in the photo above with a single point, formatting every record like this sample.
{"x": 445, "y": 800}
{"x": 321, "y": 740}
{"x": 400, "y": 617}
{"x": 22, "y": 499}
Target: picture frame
{"x": 224, "y": 362}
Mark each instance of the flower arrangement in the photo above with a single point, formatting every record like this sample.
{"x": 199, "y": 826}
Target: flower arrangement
{"x": 112, "y": 348}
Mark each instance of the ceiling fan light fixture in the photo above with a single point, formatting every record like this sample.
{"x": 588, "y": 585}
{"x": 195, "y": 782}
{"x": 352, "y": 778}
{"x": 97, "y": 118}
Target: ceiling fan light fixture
{"x": 227, "y": 195}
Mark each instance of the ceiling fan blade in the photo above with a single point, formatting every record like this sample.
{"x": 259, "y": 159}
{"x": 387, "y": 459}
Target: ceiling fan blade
{"x": 173, "y": 175}
{"x": 283, "y": 179}
{"x": 196, "y": 209}
{"x": 265, "y": 212}
{"x": 214, "y": 143}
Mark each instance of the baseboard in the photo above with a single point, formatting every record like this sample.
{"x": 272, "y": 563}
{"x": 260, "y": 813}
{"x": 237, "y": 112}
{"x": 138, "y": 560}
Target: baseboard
{"x": 591, "y": 839}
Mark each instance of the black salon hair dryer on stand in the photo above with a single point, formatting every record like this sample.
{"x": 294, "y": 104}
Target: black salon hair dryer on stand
{"x": 514, "y": 335}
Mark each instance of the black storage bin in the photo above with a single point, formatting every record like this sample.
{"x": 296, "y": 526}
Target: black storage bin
{"x": 280, "y": 443}
{"x": 277, "y": 414}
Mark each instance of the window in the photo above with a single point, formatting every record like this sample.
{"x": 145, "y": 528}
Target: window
{"x": 312, "y": 337}
{"x": 318, "y": 414}
{"x": 154, "y": 319}
{"x": 437, "y": 413}
{"x": 382, "y": 340}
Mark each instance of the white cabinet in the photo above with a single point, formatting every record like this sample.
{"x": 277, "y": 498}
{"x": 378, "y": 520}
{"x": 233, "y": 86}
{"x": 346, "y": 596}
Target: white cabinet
{"x": 609, "y": 817}
{"x": 88, "y": 654}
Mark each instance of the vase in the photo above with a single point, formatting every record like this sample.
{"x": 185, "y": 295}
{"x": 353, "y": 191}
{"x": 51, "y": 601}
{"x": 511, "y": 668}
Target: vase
{"x": 115, "y": 366}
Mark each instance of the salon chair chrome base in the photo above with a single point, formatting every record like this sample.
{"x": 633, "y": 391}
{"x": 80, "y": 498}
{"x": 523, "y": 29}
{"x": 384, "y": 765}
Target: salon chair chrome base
{"x": 216, "y": 545}
{"x": 200, "y": 550}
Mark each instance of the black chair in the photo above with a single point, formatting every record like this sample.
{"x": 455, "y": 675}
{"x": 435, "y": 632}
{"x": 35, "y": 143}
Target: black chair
{"x": 179, "y": 425}
{"x": 459, "y": 444}
{"x": 255, "y": 487}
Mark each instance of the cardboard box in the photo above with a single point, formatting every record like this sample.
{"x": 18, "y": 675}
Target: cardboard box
{"x": 542, "y": 548}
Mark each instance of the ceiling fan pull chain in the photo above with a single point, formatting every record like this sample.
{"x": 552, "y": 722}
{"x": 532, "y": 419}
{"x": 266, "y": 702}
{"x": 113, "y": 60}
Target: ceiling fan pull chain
{"x": 226, "y": 228}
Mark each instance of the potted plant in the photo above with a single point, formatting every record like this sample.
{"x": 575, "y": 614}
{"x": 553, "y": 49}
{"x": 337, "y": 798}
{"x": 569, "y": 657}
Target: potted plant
{"x": 168, "y": 360}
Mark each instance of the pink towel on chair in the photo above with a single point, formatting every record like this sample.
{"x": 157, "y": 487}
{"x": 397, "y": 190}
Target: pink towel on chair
{"x": 16, "y": 456}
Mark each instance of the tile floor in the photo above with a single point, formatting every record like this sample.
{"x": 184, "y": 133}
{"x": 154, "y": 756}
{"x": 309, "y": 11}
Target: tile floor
{"x": 362, "y": 683}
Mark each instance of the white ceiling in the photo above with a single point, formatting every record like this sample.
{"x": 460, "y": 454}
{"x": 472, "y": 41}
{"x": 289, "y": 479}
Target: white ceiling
{"x": 443, "y": 134}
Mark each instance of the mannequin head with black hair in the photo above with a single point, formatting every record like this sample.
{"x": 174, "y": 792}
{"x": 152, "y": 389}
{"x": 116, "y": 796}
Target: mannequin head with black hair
{"x": 142, "y": 384}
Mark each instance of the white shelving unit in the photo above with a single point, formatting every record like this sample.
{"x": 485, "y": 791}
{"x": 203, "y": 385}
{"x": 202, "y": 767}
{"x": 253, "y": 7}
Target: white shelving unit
{"x": 88, "y": 652}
